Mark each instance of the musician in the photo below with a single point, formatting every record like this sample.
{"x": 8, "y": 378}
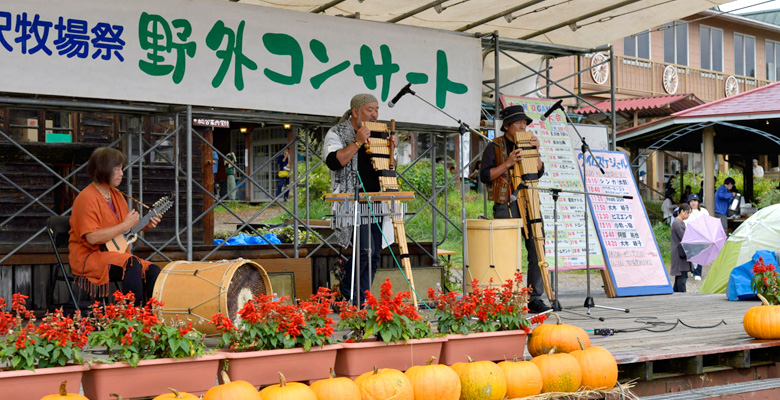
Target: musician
{"x": 99, "y": 214}
{"x": 344, "y": 151}
{"x": 497, "y": 160}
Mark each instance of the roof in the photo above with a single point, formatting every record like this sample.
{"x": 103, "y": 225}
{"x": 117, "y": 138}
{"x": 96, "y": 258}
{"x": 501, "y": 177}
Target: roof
{"x": 580, "y": 23}
{"x": 760, "y": 103}
{"x": 648, "y": 106}
{"x": 768, "y": 16}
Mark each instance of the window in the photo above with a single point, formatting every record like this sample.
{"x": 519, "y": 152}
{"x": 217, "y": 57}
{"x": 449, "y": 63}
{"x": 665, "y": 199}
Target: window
{"x": 711, "y": 40}
{"x": 41, "y": 126}
{"x": 744, "y": 55}
{"x": 676, "y": 43}
{"x": 637, "y": 45}
{"x": 772, "y": 60}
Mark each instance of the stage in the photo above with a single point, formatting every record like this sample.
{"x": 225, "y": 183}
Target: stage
{"x": 708, "y": 347}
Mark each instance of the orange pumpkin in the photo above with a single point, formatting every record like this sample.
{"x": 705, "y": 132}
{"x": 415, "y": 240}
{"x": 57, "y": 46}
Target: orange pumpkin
{"x": 285, "y": 390}
{"x": 561, "y": 372}
{"x": 523, "y": 378}
{"x": 335, "y": 388}
{"x": 236, "y": 390}
{"x": 63, "y": 394}
{"x": 176, "y": 395}
{"x": 385, "y": 383}
{"x": 599, "y": 368}
{"x": 763, "y": 322}
{"x": 480, "y": 380}
{"x": 561, "y": 336}
{"x": 434, "y": 381}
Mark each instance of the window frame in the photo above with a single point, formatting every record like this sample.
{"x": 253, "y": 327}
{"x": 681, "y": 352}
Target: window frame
{"x": 722, "y": 54}
{"x": 635, "y": 38}
{"x": 744, "y": 55}
{"x": 672, "y": 27}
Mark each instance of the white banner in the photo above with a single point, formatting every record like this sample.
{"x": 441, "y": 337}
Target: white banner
{"x": 223, "y": 54}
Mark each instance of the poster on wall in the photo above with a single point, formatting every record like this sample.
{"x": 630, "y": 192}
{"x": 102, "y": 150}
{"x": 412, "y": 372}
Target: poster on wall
{"x": 633, "y": 258}
{"x": 560, "y": 171}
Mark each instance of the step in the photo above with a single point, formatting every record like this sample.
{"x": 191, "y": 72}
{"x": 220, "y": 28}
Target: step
{"x": 723, "y": 391}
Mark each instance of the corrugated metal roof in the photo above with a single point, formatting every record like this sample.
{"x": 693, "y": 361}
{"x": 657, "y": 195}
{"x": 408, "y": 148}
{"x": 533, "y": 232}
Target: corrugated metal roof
{"x": 770, "y": 16}
{"x": 648, "y": 106}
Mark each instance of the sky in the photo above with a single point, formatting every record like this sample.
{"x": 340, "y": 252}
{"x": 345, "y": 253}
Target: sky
{"x": 759, "y": 5}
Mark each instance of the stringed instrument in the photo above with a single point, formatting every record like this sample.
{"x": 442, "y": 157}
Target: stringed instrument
{"x": 121, "y": 242}
{"x": 526, "y": 173}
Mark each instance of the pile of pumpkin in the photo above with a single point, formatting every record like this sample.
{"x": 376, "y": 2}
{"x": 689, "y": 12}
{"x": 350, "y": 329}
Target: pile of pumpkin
{"x": 564, "y": 361}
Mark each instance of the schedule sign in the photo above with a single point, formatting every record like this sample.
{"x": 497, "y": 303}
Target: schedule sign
{"x": 632, "y": 255}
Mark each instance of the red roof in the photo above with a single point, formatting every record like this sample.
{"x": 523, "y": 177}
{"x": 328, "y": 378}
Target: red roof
{"x": 762, "y": 100}
{"x": 670, "y": 104}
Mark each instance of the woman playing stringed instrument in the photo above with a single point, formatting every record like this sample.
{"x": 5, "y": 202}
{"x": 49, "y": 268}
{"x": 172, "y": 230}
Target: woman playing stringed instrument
{"x": 100, "y": 213}
{"x": 498, "y": 159}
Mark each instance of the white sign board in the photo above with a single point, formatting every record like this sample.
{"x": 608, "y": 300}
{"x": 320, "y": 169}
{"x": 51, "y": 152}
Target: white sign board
{"x": 223, "y": 54}
{"x": 595, "y": 135}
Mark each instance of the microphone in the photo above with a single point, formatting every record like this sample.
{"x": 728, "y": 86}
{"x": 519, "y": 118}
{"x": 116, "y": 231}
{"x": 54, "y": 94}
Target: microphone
{"x": 552, "y": 109}
{"x": 406, "y": 89}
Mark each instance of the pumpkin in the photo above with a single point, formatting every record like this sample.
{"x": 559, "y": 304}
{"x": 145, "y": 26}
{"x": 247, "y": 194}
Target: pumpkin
{"x": 383, "y": 384}
{"x": 561, "y": 336}
{"x": 176, "y": 395}
{"x": 599, "y": 368}
{"x": 236, "y": 390}
{"x": 434, "y": 381}
{"x": 285, "y": 390}
{"x": 763, "y": 322}
{"x": 63, "y": 394}
{"x": 481, "y": 380}
{"x": 335, "y": 388}
{"x": 561, "y": 372}
{"x": 522, "y": 378}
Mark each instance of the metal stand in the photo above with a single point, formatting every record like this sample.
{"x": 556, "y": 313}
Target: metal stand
{"x": 462, "y": 129}
{"x": 589, "y": 303}
{"x": 555, "y": 192}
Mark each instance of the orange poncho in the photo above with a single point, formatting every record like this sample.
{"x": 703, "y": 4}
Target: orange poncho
{"x": 91, "y": 213}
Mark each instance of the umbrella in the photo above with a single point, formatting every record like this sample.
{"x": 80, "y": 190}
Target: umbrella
{"x": 703, "y": 239}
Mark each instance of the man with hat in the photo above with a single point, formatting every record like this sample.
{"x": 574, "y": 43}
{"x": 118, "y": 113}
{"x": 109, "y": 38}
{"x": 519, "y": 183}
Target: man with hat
{"x": 343, "y": 142}
{"x": 497, "y": 161}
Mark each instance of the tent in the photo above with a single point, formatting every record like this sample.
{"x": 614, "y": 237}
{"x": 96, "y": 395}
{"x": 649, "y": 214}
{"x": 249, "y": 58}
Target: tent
{"x": 759, "y": 232}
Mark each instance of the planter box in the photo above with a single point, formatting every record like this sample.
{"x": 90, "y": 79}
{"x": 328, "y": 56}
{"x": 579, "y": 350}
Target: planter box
{"x": 151, "y": 377}
{"x": 492, "y": 346}
{"x": 356, "y": 358}
{"x": 261, "y": 367}
{"x": 40, "y": 382}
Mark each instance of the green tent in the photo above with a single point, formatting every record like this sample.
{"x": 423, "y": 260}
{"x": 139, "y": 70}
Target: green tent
{"x": 759, "y": 232}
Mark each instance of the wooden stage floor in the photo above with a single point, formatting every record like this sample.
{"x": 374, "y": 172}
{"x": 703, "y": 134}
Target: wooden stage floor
{"x": 701, "y": 350}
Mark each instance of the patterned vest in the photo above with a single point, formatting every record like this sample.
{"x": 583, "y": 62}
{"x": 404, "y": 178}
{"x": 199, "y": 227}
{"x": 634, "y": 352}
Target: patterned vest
{"x": 500, "y": 189}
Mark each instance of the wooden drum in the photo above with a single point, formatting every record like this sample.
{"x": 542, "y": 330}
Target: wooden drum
{"x": 494, "y": 251}
{"x": 199, "y": 290}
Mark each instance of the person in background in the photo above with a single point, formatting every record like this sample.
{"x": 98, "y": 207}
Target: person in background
{"x": 667, "y": 207}
{"x": 230, "y": 171}
{"x": 215, "y": 168}
{"x": 723, "y": 197}
{"x": 696, "y": 211}
{"x": 686, "y": 194}
{"x": 284, "y": 173}
{"x": 474, "y": 175}
{"x": 680, "y": 264}
{"x": 758, "y": 171}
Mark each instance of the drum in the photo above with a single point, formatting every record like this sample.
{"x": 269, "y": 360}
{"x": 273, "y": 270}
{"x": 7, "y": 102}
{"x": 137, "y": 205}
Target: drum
{"x": 494, "y": 247}
{"x": 199, "y": 290}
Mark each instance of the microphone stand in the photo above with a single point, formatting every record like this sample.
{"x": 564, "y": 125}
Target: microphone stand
{"x": 585, "y": 149}
{"x": 462, "y": 129}
{"x": 555, "y": 192}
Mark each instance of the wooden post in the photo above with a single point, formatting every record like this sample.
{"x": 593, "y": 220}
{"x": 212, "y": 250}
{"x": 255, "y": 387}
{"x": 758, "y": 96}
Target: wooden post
{"x": 208, "y": 183}
{"x": 708, "y": 139}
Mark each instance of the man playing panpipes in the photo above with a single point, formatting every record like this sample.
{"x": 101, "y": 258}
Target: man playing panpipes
{"x": 497, "y": 160}
{"x": 342, "y": 143}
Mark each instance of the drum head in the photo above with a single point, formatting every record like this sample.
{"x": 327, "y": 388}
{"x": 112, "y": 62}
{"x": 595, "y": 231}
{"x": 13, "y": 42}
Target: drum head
{"x": 247, "y": 282}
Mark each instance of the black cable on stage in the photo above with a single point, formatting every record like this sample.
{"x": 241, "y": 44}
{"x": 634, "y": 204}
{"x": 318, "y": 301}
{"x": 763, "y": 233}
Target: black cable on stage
{"x": 661, "y": 323}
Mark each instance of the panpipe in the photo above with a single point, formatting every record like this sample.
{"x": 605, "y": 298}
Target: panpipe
{"x": 526, "y": 172}
{"x": 380, "y": 149}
